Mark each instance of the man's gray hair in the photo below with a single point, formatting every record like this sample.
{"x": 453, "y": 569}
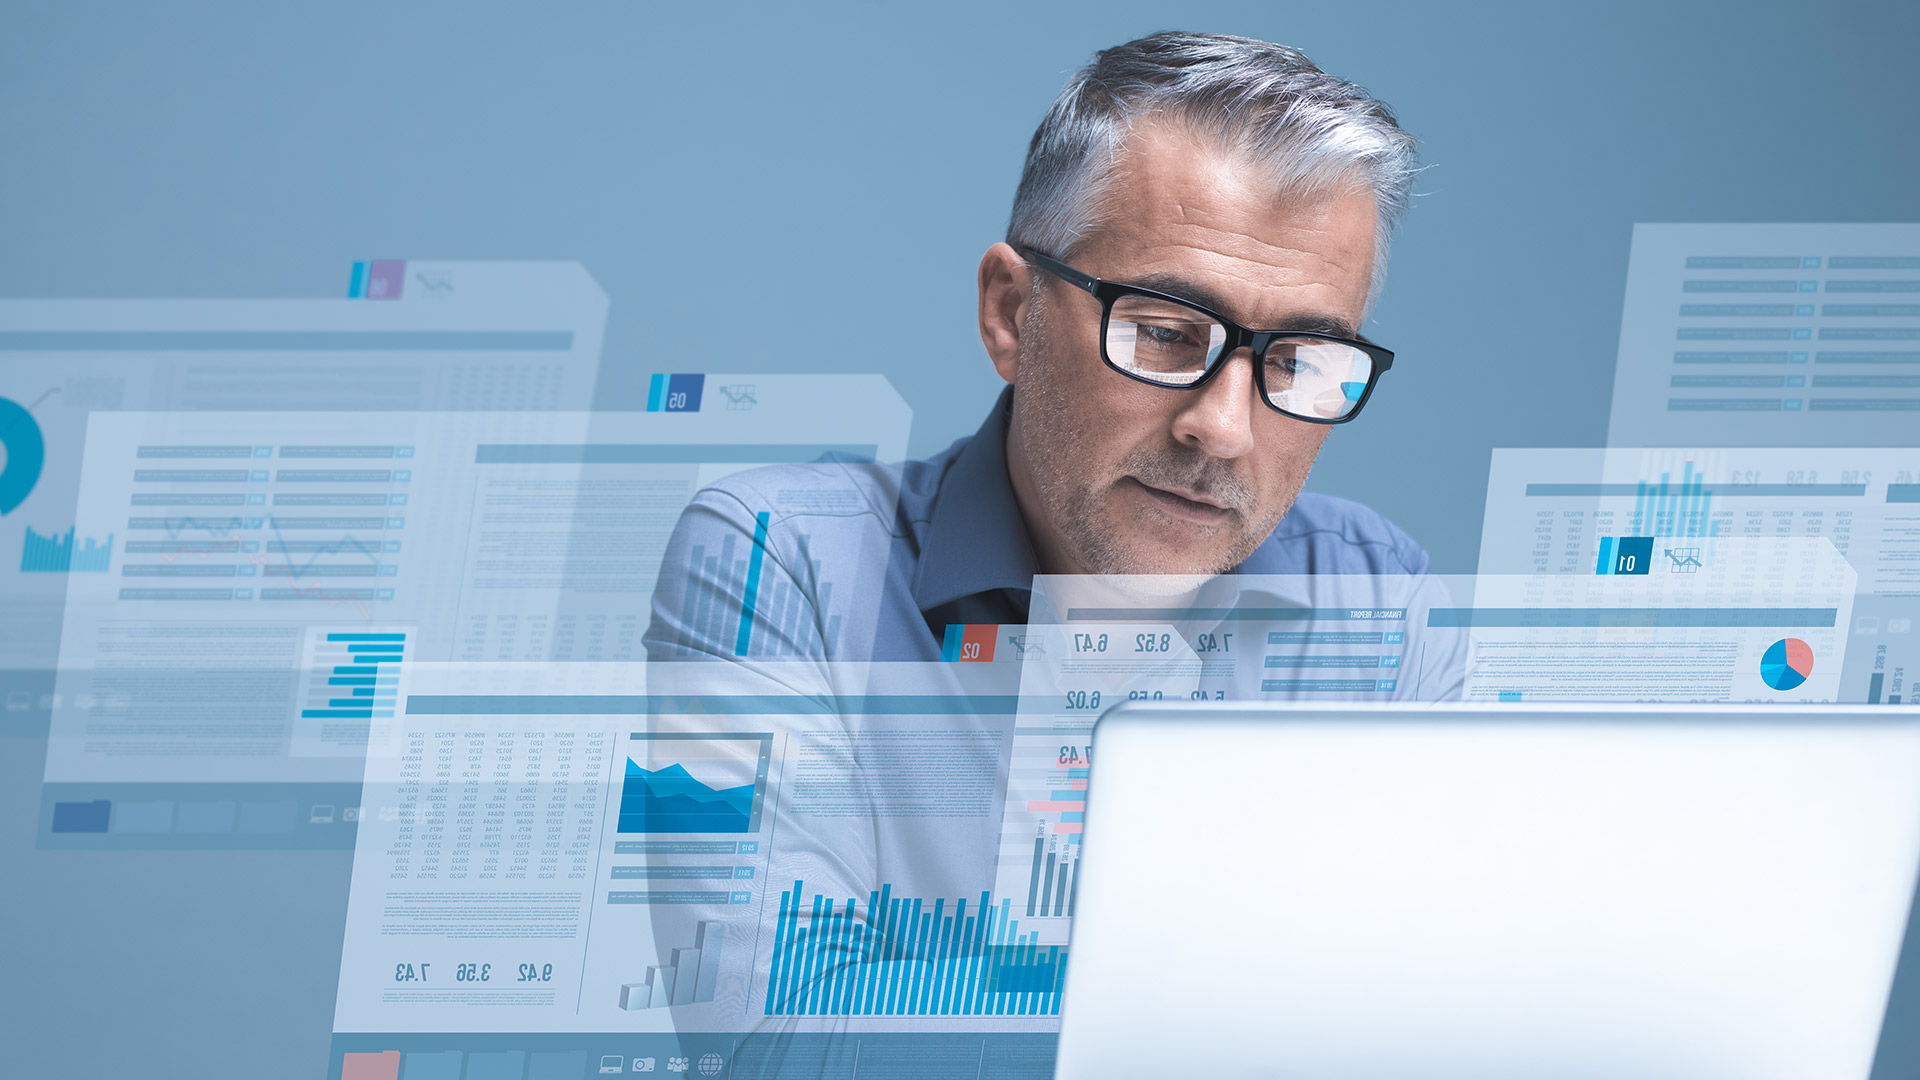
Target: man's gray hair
{"x": 1315, "y": 134}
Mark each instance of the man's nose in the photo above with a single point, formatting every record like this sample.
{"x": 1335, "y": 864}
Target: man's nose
{"x": 1218, "y": 417}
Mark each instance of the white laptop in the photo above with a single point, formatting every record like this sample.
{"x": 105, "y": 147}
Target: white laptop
{"x": 1491, "y": 892}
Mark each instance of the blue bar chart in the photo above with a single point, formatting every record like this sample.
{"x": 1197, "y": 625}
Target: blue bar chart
{"x": 58, "y": 555}
{"x": 353, "y": 675}
{"x": 767, "y": 620}
{"x": 898, "y": 956}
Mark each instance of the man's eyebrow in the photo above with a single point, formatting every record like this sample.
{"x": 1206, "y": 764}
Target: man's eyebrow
{"x": 1311, "y": 322}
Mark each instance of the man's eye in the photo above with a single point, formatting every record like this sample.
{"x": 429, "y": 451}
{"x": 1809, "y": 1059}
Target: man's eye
{"x": 1166, "y": 335}
{"x": 1291, "y": 365}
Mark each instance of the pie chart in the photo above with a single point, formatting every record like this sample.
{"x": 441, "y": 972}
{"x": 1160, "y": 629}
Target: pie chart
{"x": 1786, "y": 663}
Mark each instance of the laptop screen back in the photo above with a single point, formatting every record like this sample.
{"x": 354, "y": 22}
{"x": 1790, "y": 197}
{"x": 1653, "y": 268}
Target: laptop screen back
{"x": 1473, "y": 892}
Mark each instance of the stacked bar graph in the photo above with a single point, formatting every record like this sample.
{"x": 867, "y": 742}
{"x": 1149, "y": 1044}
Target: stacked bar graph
{"x": 765, "y": 621}
{"x": 688, "y": 980}
{"x": 1056, "y": 843}
{"x": 57, "y": 555}
{"x": 899, "y": 957}
{"x": 355, "y": 675}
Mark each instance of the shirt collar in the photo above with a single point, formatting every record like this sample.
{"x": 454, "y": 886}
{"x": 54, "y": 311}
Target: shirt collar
{"x": 977, "y": 540}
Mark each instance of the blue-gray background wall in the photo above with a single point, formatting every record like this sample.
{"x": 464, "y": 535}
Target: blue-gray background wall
{"x": 808, "y": 187}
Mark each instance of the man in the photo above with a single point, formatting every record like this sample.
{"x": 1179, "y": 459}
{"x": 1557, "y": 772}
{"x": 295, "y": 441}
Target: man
{"x": 1199, "y": 230}
{"x": 1200, "y": 227}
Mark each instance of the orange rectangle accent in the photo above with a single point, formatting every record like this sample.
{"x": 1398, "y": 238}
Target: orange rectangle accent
{"x": 976, "y": 643}
{"x": 1068, "y": 827}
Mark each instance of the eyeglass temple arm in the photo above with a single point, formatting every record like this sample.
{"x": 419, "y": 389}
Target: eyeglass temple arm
{"x": 1061, "y": 270}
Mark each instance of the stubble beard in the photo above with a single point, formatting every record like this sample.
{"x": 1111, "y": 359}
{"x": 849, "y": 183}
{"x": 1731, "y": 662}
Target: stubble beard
{"x": 1079, "y": 506}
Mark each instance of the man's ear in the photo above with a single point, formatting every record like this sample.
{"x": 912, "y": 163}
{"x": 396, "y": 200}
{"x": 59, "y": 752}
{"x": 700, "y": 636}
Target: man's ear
{"x": 1006, "y": 288}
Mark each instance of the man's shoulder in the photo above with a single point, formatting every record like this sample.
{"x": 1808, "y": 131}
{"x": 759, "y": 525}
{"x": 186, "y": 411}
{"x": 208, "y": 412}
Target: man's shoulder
{"x": 1325, "y": 534}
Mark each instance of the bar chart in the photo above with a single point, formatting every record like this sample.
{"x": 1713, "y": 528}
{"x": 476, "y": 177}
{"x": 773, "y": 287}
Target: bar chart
{"x": 57, "y": 554}
{"x": 353, "y": 674}
{"x": 732, "y": 610}
{"x": 688, "y": 980}
{"x": 899, "y": 956}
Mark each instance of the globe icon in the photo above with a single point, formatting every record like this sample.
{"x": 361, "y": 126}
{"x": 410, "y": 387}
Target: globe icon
{"x": 710, "y": 1064}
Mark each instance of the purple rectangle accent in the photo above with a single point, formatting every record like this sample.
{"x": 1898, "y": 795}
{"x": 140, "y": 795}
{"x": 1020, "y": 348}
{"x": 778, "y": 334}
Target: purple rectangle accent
{"x": 385, "y": 277}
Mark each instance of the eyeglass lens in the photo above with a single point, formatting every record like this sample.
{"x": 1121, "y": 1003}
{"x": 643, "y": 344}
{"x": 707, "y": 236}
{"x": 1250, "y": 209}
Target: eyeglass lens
{"x": 1176, "y": 345}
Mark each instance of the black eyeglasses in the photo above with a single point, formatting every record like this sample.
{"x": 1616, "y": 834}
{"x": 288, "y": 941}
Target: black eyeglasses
{"x": 1175, "y": 343}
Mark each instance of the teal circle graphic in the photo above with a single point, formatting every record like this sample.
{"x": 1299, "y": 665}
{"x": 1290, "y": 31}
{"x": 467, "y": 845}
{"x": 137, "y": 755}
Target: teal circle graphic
{"x": 26, "y": 453}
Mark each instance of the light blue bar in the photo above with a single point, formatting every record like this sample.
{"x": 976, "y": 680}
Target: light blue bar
{"x": 1631, "y": 617}
{"x": 667, "y": 453}
{"x": 876, "y": 941}
{"x": 843, "y": 938}
{"x": 1874, "y": 262}
{"x": 1730, "y": 357}
{"x": 1866, "y": 405}
{"x": 1735, "y": 310}
{"x": 1696, "y": 382}
{"x": 834, "y": 949}
{"x": 1775, "y": 285}
{"x": 744, "y": 638}
{"x": 1312, "y": 662}
{"x": 1318, "y": 686}
{"x": 1871, "y": 311}
{"x": 868, "y": 947}
{"x": 937, "y": 929}
{"x": 956, "y": 964}
{"x": 1725, "y": 490}
{"x": 1733, "y": 334}
{"x": 895, "y": 913}
{"x": 286, "y": 340}
{"x": 916, "y": 945}
{"x": 656, "y": 392}
{"x": 1690, "y": 494}
{"x": 1887, "y": 357}
{"x": 1870, "y": 285}
{"x": 719, "y": 704}
{"x": 777, "y": 974}
{"x": 358, "y": 281}
{"x": 804, "y": 992}
{"x": 1866, "y": 380}
{"x": 1243, "y": 614}
{"x": 1743, "y": 262}
{"x": 963, "y": 978}
{"x": 1023, "y": 959}
{"x": 1605, "y": 565}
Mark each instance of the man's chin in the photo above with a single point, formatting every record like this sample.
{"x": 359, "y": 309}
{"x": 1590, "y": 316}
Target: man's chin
{"x": 1162, "y": 568}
